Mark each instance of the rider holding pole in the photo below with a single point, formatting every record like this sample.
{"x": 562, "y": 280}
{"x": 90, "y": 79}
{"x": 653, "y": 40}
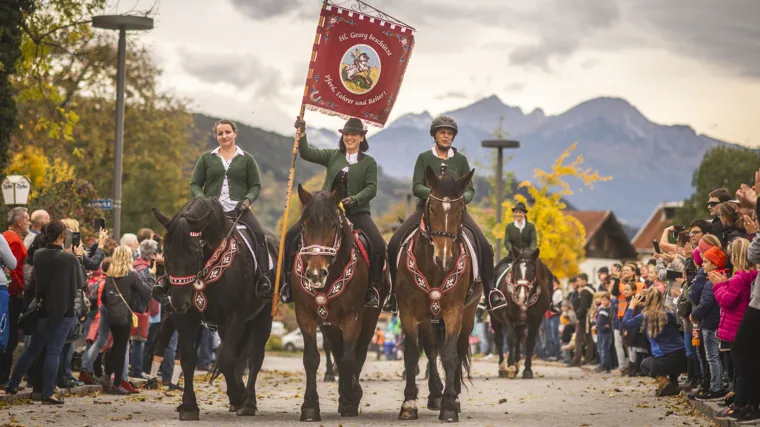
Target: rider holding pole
{"x": 349, "y": 165}
{"x": 443, "y": 130}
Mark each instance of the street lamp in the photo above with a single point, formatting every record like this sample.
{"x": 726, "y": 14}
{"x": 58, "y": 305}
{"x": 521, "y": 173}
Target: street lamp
{"x": 123, "y": 23}
{"x": 16, "y": 189}
{"x": 500, "y": 145}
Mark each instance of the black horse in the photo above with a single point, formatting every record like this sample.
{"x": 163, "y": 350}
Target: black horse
{"x": 527, "y": 286}
{"x": 213, "y": 273}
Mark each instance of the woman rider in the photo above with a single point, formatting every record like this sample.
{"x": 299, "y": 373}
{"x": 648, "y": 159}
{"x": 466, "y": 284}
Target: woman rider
{"x": 358, "y": 172}
{"x": 232, "y": 175}
{"x": 444, "y": 130}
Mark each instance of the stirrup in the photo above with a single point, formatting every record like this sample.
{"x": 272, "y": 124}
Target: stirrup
{"x": 286, "y": 294}
{"x": 500, "y": 304}
{"x": 391, "y": 305}
{"x": 264, "y": 288}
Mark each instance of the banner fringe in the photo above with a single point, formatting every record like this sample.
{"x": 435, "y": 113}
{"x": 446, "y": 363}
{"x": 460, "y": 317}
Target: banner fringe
{"x": 342, "y": 116}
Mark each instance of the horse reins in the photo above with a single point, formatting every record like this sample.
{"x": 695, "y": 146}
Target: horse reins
{"x": 320, "y": 250}
{"x": 428, "y": 231}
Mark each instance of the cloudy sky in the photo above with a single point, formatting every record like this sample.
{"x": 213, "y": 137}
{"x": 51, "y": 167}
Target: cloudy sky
{"x": 694, "y": 62}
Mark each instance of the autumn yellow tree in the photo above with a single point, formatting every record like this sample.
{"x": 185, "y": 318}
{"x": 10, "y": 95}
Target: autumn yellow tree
{"x": 561, "y": 237}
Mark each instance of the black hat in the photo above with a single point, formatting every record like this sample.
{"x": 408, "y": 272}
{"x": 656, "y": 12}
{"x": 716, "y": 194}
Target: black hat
{"x": 353, "y": 125}
{"x": 520, "y": 206}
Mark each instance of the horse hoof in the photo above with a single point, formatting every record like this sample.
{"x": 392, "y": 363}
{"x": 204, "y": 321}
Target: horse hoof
{"x": 449, "y": 415}
{"x": 349, "y": 411}
{"x": 511, "y": 372}
{"x": 246, "y": 411}
{"x": 310, "y": 414}
{"x": 434, "y": 403}
{"x": 503, "y": 374}
{"x": 408, "y": 411}
{"x": 527, "y": 374}
{"x": 329, "y": 378}
{"x": 235, "y": 408}
{"x": 185, "y": 415}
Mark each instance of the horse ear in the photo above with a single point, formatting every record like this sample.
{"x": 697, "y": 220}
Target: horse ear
{"x": 430, "y": 177}
{"x": 304, "y": 196}
{"x": 535, "y": 254}
{"x": 337, "y": 195}
{"x": 163, "y": 219}
{"x": 464, "y": 181}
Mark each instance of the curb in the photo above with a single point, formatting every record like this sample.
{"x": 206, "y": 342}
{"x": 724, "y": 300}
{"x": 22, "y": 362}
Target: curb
{"x": 710, "y": 408}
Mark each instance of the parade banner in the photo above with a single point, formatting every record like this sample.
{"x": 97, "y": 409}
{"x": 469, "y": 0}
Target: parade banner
{"x": 358, "y": 64}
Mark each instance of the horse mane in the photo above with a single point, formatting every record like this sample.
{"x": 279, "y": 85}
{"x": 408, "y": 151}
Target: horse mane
{"x": 179, "y": 227}
{"x": 448, "y": 185}
{"x": 320, "y": 210}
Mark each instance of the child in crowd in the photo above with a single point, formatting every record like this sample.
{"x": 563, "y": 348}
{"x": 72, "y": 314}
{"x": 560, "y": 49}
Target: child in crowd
{"x": 604, "y": 333}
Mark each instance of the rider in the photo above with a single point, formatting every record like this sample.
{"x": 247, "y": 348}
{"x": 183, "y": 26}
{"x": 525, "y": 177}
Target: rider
{"x": 444, "y": 130}
{"x": 358, "y": 172}
{"x": 232, "y": 175}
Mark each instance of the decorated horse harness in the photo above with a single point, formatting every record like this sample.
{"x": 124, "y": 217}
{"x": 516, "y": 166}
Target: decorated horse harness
{"x": 514, "y": 289}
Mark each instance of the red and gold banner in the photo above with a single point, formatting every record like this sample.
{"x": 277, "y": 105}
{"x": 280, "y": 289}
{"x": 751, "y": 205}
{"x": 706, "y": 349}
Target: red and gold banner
{"x": 357, "y": 65}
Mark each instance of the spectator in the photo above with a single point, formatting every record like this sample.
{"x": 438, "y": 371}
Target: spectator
{"x": 604, "y": 279}
{"x": 122, "y": 287}
{"x": 668, "y": 358}
{"x": 583, "y": 329}
{"x": 716, "y": 197}
{"x": 142, "y": 265}
{"x": 8, "y": 262}
{"x": 130, "y": 240}
{"x": 733, "y": 297}
{"x": 58, "y": 277}
{"x": 91, "y": 260}
{"x": 604, "y": 333}
{"x": 39, "y": 219}
{"x": 18, "y": 228}
{"x": 733, "y": 223}
{"x": 552, "y": 324}
{"x": 707, "y": 312}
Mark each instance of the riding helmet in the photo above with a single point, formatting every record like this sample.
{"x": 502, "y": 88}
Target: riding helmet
{"x": 443, "y": 122}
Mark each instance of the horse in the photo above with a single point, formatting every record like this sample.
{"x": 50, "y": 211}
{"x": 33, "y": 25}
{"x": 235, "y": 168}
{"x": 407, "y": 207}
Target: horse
{"x": 527, "y": 286}
{"x": 330, "y": 280}
{"x": 201, "y": 249}
{"x": 330, "y": 366}
{"x": 440, "y": 317}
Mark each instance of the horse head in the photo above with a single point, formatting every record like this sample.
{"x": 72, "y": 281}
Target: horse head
{"x": 323, "y": 229}
{"x": 527, "y": 273}
{"x": 200, "y": 222}
{"x": 442, "y": 219}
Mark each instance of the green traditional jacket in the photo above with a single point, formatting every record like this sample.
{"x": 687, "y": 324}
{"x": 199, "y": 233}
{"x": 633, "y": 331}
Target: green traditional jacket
{"x": 457, "y": 164}
{"x": 362, "y": 175}
{"x": 513, "y": 238}
{"x": 242, "y": 177}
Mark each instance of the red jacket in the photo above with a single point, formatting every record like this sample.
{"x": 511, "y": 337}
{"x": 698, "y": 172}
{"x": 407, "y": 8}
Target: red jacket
{"x": 16, "y": 243}
{"x": 733, "y": 298}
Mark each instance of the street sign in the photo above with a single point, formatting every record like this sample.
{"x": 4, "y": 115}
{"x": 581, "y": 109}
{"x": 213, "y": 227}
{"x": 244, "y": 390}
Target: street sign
{"x": 103, "y": 204}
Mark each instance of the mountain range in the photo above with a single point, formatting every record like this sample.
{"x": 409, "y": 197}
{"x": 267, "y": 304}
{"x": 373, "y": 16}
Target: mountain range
{"x": 650, "y": 163}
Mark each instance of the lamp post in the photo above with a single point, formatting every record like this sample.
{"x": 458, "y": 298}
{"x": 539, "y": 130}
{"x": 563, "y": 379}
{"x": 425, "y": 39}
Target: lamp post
{"x": 123, "y": 23}
{"x": 500, "y": 145}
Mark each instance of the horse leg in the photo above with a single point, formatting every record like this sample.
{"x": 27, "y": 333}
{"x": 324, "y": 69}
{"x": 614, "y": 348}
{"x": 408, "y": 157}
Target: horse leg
{"x": 512, "y": 356}
{"x": 450, "y": 358}
{"x": 329, "y": 366}
{"x": 435, "y": 386}
{"x": 463, "y": 353}
{"x": 530, "y": 345}
{"x": 186, "y": 328}
{"x": 260, "y": 329}
{"x": 351, "y": 392}
{"x": 411, "y": 358}
{"x": 227, "y": 363}
{"x": 310, "y": 407}
{"x": 498, "y": 331}
{"x": 519, "y": 336}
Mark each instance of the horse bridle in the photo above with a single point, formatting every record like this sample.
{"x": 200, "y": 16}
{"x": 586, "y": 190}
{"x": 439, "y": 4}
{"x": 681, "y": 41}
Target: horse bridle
{"x": 427, "y": 229}
{"x": 319, "y": 250}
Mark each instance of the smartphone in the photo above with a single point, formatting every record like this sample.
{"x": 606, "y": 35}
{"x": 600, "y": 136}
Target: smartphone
{"x": 673, "y": 275}
{"x": 67, "y": 239}
{"x": 656, "y": 246}
{"x": 99, "y": 224}
{"x": 76, "y": 239}
{"x": 152, "y": 263}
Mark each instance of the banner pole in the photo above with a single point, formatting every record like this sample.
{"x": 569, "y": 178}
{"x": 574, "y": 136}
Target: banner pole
{"x": 292, "y": 174}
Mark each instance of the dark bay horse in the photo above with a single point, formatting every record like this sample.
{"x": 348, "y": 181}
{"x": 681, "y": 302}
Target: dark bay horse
{"x": 527, "y": 287}
{"x": 330, "y": 280}
{"x": 213, "y": 275}
{"x": 438, "y": 297}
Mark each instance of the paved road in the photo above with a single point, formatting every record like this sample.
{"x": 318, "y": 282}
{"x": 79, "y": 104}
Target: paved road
{"x": 558, "y": 396}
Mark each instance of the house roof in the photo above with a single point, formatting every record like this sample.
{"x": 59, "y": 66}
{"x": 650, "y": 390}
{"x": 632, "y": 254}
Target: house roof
{"x": 591, "y": 220}
{"x": 653, "y": 228}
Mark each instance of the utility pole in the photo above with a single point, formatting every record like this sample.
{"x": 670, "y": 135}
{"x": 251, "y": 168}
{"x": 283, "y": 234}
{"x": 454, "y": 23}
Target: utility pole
{"x": 500, "y": 145}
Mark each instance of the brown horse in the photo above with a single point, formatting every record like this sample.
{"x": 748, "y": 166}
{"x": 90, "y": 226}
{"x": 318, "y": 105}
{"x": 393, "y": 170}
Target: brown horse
{"x": 527, "y": 286}
{"x": 330, "y": 279}
{"x": 438, "y": 297}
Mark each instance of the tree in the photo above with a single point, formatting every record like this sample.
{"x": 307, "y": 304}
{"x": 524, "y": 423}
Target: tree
{"x": 561, "y": 238}
{"x": 12, "y": 13}
{"x": 723, "y": 166}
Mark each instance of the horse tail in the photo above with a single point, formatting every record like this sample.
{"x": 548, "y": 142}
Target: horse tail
{"x": 466, "y": 361}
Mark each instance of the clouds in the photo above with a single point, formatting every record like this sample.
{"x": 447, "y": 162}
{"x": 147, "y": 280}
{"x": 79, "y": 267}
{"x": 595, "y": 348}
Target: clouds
{"x": 259, "y": 10}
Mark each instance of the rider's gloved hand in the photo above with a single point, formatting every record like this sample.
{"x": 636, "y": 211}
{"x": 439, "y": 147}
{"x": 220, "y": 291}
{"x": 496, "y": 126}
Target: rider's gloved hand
{"x": 347, "y": 202}
{"x": 300, "y": 124}
{"x": 242, "y": 206}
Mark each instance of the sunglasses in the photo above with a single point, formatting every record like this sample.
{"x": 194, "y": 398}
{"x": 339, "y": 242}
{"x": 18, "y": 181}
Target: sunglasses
{"x": 694, "y": 233}
{"x": 712, "y": 204}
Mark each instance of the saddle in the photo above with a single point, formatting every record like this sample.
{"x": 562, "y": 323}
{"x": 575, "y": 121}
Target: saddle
{"x": 246, "y": 234}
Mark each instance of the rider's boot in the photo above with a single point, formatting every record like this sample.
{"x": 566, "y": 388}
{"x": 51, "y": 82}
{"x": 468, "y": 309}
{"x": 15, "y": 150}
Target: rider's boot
{"x": 375, "y": 278}
{"x": 264, "y": 286}
{"x": 494, "y": 297}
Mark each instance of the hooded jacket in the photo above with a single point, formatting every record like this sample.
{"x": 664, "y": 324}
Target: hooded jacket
{"x": 733, "y": 298}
